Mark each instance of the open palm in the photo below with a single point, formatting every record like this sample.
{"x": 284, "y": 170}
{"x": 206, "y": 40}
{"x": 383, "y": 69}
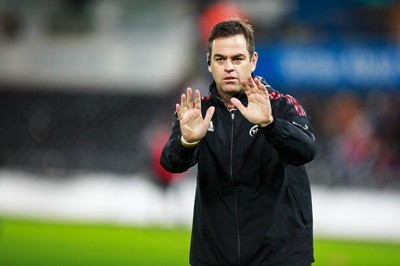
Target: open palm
{"x": 192, "y": 124}
{"x": 258, "y": 110}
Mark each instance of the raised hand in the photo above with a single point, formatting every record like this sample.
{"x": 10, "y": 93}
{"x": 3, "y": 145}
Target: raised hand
{"x": 193, "y": 125}
{"x": 258, "y": 110}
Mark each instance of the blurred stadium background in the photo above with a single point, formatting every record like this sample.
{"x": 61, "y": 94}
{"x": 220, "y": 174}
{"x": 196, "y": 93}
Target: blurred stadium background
{"x": 87, "y": 94}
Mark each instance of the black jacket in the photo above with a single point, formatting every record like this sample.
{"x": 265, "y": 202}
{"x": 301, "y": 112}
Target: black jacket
{"x": 253, "y": 199}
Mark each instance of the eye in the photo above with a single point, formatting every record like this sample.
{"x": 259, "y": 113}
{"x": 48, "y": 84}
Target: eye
{"x": 237, "y": 60}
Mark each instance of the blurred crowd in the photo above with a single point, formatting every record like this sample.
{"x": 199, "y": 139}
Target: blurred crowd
{"x": 357, "y": 130}
{"x": 358, "y": 139}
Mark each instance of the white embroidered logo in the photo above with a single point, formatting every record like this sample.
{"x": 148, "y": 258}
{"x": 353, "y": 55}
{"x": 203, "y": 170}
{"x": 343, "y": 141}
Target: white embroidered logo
{"x": 211, "y": 127}
{"x": 253, "y": 130}
{"x": 305, "y": 127}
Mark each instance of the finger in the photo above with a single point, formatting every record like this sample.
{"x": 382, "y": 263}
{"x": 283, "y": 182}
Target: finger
{"x": 250, "y": 80}
{"x": 248, "y": 85}
{"x": 186, "y": 118}
{"x": 244, "y": 85}
{"x": 251, "y": 83}
{"x": 197, "y": 99}
{"x": 178, "y": 111}
{"x": 189, "y": 98}
{"x": 209, "y": 115}
{"x": 262, "y": 89}
{"x": 260, "y": 86}
{"x": 258, "y": 83}
{"x": 183, "y": 100}
{"x": 238, "y": 104}
{"x": 246, "y": 88}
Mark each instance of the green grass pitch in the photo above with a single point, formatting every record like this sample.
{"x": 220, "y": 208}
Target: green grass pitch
{"x": 44, "y": 243}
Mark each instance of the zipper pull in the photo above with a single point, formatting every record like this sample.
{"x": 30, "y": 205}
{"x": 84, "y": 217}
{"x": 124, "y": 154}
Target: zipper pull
{"x": 232, "y": 114}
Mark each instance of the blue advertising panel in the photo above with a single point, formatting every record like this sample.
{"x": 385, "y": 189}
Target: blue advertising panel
{"x": 360, "y": 67}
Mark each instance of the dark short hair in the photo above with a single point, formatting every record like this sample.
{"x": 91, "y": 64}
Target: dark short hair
{"x": 231, "y": 27}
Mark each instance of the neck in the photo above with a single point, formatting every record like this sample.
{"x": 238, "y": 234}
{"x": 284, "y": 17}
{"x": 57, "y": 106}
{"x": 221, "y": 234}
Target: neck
{"x": 230, "y": 106}
{"x": 226, "y": 99}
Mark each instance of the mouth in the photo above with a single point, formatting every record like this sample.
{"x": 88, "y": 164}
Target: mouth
{"x": 230, "y": 79}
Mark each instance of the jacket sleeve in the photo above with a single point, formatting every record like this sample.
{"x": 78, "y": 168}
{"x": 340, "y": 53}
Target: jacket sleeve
{"x": 176, "y": 158}
{"x": 291, "y": 134}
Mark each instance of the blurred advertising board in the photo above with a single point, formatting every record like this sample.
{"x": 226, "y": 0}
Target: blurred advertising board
{"x": 350, "y": 66}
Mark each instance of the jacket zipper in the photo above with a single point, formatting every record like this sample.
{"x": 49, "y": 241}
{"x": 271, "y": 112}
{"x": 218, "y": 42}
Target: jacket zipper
{"x": 233, "y": 185}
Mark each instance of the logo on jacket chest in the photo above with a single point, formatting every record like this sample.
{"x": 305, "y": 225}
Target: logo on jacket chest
{"x": 211, "y": 127}
{"x": 253, "y": 130}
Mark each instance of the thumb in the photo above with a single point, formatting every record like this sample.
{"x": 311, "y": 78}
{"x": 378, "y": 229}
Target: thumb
{"x": 209, "y": 114}
{"x": 238, "y": 104}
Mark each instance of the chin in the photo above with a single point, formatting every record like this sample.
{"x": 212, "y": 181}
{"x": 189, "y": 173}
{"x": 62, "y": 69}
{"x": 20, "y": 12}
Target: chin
{"x": 231, "y": 89}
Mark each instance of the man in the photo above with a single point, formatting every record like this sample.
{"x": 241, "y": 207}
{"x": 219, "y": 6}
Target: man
{"x": 253, "y": 200}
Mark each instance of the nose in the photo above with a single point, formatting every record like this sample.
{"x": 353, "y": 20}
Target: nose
{"x": 228, "y": 65}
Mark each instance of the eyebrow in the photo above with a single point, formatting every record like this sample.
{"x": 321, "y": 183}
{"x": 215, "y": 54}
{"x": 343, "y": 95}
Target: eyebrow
{"x": 234, "y": 56}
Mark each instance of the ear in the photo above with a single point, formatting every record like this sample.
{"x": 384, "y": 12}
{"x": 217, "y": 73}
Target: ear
{"x": 254, "y": 60}
{"x": 209, "y": 62}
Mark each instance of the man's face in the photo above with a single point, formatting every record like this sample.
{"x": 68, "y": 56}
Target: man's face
{"x": 230, "y": 63}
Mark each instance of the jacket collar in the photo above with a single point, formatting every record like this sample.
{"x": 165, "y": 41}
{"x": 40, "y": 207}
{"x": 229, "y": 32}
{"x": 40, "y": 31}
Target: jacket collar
{"x": 241, "y": 96}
